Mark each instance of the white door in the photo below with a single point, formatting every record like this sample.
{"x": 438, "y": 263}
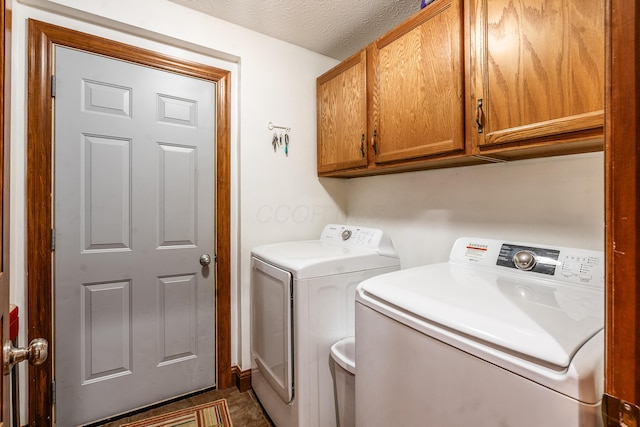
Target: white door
{"x": 134, "y": 198}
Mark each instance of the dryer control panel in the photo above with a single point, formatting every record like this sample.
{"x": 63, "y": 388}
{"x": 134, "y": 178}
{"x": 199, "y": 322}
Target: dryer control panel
{"x": 579, "y": 266}
{"x": 362, "y": 237}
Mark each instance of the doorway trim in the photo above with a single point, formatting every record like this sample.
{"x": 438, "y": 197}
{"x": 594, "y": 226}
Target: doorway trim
{"x": 41, "y": 40}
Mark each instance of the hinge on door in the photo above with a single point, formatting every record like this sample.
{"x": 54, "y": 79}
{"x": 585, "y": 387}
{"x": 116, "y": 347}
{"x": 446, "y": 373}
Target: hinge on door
{"x": 53, "y": 239}
{"x": 617, "y": 412}
{"x": 53, "y": 86}
{"x": 53, "y": 392}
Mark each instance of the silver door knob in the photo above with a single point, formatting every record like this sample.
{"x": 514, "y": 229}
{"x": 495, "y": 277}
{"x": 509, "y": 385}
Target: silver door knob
{"x": 205, "y": 259}
{"x": 36, "y": 354}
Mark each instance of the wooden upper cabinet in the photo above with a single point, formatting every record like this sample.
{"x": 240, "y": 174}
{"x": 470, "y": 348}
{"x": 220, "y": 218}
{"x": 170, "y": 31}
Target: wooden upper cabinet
{"x": 461, "y": 83}
{"x": 538, "y": 70}
{"x": 342, "y": 116}
{"x": 418, "y": 98}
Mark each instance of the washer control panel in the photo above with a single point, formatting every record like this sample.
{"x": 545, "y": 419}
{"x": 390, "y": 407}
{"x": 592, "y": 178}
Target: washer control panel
{"x": 528, "y": 258}
{"x": 578, "y": 266}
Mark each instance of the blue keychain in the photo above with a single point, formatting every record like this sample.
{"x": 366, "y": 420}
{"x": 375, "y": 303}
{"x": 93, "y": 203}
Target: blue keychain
{"x": 286, "y": 144}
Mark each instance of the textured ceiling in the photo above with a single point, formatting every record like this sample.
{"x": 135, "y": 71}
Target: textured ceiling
{"x": 335, "y": 28}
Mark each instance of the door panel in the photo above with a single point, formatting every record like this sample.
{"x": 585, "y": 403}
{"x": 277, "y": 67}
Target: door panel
{"x": 178, "y": 201}
{"x": 106, "y": 352}
{"x": 106, "y": 182}
{"x": 134, "y": 197}
{"x": 177, "y": 318}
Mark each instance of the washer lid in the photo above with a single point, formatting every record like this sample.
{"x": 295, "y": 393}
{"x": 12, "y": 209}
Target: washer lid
{"x": 317, "y": 258}
{"x": 543, "y": 321}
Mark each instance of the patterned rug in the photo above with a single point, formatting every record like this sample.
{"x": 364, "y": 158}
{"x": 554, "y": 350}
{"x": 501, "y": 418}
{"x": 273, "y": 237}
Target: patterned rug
{"x": 214, "y": 414}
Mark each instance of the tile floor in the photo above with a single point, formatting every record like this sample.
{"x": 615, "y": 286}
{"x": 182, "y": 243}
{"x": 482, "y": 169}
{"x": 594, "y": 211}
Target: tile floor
{"x": 244, "y": 408}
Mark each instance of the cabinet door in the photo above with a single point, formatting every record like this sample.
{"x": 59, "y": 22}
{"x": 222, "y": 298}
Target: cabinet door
{"x": 342, "y": 116}
{"x": 419, "y": 107}
{"x": 538, "y": 71}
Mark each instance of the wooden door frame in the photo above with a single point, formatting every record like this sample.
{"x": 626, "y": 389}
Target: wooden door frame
{"x": 42, "y": 38}
{"x": 622, "y": 230}
{"x": 5, "y": 102}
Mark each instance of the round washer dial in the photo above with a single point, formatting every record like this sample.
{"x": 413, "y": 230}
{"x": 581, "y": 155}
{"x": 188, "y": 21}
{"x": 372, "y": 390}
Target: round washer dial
{"x": 524, "y": 260}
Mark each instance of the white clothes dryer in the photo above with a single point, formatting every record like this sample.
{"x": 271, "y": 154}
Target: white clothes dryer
{"x": 302, "y": 302}
{"x": 503, "y": 334}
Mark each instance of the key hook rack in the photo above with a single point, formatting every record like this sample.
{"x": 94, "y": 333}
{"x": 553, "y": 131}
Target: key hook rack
{"x": 271, "y": 126}
{"x": 278, "y": 140}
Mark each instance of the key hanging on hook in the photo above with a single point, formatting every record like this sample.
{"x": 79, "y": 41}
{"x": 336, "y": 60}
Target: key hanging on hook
{"x": 274, "y": 142}
{"x": 286, "y": 144}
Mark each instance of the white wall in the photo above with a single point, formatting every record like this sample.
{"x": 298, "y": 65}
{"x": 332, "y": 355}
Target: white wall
{"x": 558, "y": 201}
{"x": 273, "y": 197}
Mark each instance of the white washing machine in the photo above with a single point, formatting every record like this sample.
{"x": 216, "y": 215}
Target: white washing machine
{"x": 503, "y": 334}
{"x": 302, "y": 301}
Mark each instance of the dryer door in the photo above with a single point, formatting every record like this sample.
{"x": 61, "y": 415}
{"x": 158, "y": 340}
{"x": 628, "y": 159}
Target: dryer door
{"x": 271, "y": 328}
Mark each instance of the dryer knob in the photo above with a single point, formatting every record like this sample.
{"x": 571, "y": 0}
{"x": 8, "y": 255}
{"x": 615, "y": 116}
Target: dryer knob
{"x": 524, "y": 260}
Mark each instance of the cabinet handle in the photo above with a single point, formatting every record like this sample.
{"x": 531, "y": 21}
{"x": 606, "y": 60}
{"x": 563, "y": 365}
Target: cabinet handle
{"x": 479, "y": 115}
{"x": 373, "y": 144}
{"x": 362, "y": 145}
